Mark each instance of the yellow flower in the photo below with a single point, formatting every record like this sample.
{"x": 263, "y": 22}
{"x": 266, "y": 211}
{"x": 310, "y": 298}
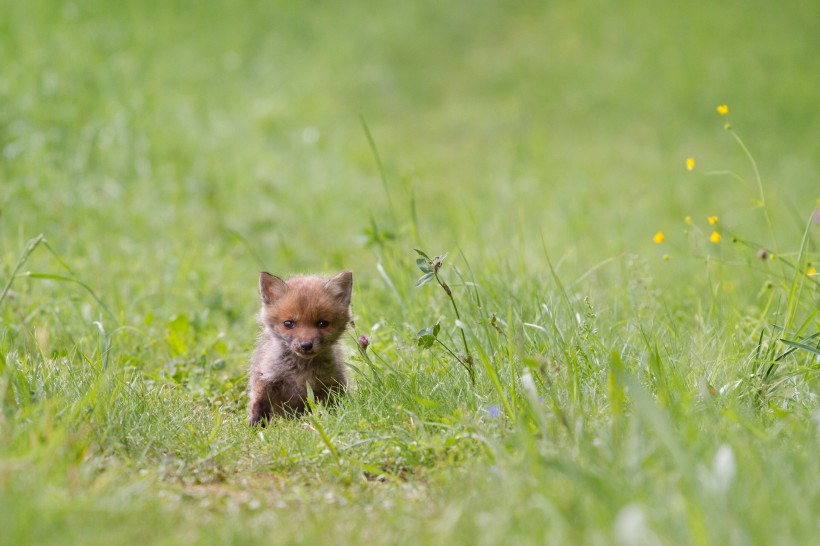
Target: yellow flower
{"x": 715, "y": 237}
{"x": 723, "y": 109}
{"x": 688, "y": 220}
{"x": 713, "y": 220}
{"x": 690, "y": 163}
{"x": 812, "y": 272}
{"x": 658, "y": 238}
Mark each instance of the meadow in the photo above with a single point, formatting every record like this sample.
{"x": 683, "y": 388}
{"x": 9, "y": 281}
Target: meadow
{"x": 622, "y": 199}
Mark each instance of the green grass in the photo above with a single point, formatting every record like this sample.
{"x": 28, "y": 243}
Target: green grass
{"x": 626, "y": 392}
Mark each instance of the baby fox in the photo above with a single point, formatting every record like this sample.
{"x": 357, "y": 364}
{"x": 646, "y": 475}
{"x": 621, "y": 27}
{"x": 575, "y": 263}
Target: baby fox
{"x": 302, "y": 320}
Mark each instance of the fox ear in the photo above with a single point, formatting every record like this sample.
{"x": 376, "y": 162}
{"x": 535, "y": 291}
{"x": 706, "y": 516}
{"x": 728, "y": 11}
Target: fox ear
{"x": 271, "y": 288}
{"x": 340, "y": 287}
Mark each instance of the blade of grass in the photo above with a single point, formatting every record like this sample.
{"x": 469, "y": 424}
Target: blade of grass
{"x": 380, "y": 165}
{"x": 30, "y": 246}
{"x": 63, "y": 278}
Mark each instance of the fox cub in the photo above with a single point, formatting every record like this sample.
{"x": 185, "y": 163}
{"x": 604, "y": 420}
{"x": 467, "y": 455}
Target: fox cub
{"x": 302, "y": 320}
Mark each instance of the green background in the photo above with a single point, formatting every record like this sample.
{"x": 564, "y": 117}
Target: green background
{"x": 168, "y": 151}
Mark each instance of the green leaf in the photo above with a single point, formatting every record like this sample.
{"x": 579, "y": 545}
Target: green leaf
{"x": 49, "y": 276}
{"x": 421, "y": 252}
{"x": 809, "y": 348}
{"x": 219, "y": 364}
{"x": 426, "y": 337}
{"x": 220, "y": 347}
{"x": 177, "y": 343}
{"x": 425, "y": 402}
{"x": 424, "y": 279}
{"x": 615, "y": 388}
{"x": 424, "y": 265}
{"x": 179, "y": 324}
{"x": 178, "y": 330}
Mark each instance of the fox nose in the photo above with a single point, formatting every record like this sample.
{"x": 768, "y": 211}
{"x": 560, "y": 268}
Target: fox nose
{"x": 306, "y": 345}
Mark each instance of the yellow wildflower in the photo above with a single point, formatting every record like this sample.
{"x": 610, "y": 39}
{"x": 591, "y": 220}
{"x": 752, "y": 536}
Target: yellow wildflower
{"x": 713, "y": 220}
{"x": 715, "y": 237}
{"x": 658, "y": 238}
{"x": 812, "y": 272}
{"x": 723, "y": 109}
{"x": 688, "y": 220}
{"x": 690, "y": 163}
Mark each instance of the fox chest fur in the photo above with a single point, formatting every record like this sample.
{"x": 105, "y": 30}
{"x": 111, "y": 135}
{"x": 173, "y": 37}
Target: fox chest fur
{"x": 302, "y": 320}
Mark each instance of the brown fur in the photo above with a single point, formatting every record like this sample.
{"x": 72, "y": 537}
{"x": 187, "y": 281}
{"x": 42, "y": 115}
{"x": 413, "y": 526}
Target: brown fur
{"x": 296, "y": 348}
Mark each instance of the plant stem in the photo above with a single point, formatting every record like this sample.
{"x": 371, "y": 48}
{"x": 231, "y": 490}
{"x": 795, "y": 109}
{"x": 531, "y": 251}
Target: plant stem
{"x": 759, "y": 181}
{"x": 32, "y": 244}
{"x": 468, "y": 358}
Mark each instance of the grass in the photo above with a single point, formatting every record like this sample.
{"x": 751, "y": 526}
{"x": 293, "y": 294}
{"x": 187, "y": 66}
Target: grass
{"x": 625, "y": 391}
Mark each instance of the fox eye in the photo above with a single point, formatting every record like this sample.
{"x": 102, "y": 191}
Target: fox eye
{"x": 289, "y": 324}
{"x": 322, "y": 324}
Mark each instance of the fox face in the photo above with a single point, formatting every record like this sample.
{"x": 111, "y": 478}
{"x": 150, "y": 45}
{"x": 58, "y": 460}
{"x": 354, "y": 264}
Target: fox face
{"x": 307, "y": 314}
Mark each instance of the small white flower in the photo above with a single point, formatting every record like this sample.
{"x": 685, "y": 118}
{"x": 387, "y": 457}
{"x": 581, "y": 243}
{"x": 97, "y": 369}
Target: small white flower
{"x": 632, "y": 527}
{"x": 528, "y": 384}
{"x": 723, "y": 468}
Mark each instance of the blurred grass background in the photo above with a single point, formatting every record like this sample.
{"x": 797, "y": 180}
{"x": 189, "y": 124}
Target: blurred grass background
{"x": 170, "y": 150}
{"x": 496, "y": 117}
